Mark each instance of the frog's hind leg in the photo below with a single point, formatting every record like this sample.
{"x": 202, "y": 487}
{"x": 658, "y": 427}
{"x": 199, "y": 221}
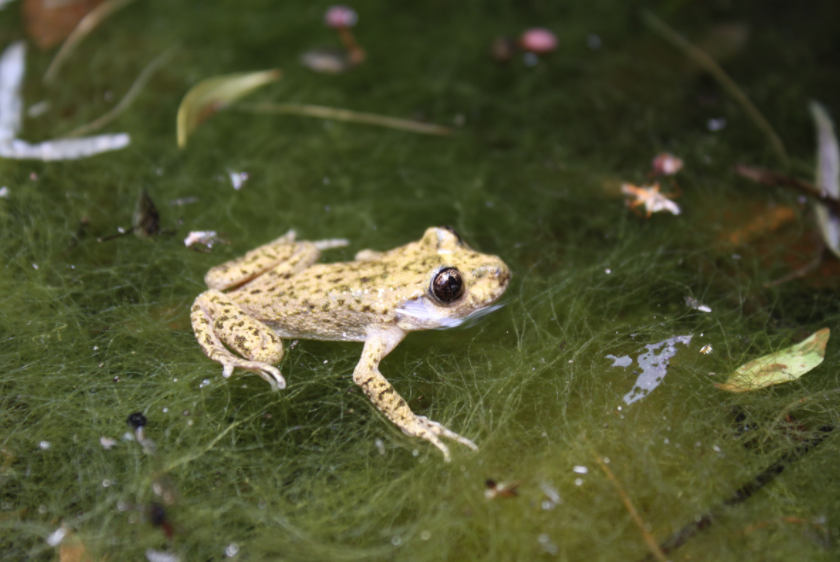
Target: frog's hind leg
{"x": 283, "y": 255}
{"x": 216, "y": 319}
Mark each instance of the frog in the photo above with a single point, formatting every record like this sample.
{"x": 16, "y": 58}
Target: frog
{"x": 280, "y": 291}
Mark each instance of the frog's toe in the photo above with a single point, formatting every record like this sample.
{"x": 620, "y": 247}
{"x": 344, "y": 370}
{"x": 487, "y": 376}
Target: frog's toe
{"x": 442, "y": 430}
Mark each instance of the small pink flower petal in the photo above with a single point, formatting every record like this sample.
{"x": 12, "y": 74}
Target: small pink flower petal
{"x": 538, "y": 40}
{"x": 339, "y": 16}
{"x": 666, "y": 164}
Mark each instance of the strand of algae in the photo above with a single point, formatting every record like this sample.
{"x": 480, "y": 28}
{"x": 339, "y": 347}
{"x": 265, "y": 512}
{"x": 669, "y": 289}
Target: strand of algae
{"x": 90, "y": 22}
{"x": 347, "y": 115}
{"x": 129, "y": 97}
{"x": 708, "y": 64}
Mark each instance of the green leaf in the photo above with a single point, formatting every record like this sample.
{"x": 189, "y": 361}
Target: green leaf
{"x": 783, "y": 366}
{"x": 214, "y": 94}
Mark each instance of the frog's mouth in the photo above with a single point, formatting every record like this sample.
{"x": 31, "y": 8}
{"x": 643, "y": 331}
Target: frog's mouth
{"x": 427, "y": 316}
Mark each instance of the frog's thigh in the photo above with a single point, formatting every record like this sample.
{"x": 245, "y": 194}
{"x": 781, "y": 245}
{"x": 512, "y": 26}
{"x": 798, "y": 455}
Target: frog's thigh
{"x": 260, "y": 260}
{"x": 379, "y": 344}
{"x": 217, "y": 319}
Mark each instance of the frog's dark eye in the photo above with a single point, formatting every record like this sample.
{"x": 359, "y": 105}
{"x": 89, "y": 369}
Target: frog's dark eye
{"x": 447, "y": 286}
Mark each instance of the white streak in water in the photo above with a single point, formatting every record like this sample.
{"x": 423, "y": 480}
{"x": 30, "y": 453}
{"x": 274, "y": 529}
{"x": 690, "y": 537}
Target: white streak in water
{"x": 63, "y": 149}
{"x": 12, "y": 68}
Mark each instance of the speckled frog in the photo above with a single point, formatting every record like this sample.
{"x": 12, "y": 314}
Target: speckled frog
{"x": 278, "y": 291}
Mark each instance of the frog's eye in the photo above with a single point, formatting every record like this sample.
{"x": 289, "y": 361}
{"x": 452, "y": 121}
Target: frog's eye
{"x": 447, "y": 286}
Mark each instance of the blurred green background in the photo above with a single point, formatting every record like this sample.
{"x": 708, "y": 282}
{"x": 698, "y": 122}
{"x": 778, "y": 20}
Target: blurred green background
{"x": 93, "y": 331}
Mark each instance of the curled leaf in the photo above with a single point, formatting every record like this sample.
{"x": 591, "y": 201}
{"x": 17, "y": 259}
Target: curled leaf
{"x": 827, "y": 176}
{"x": 783, "y": 366}
{"x": 214, "y": 94}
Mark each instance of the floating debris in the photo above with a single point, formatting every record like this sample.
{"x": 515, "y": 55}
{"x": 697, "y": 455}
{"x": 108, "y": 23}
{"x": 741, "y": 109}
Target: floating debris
{"x": 666, "y": 164}
{"x": 500, "y": 489}
{"x": 580, "y": 469}
{"x": 153, "y": 555}
{"x": 552, "y": 495}
{"x": 107, "y": 443}
{"x": 380, "y": 446}
{"x": 623, "y": 361}
{"x": 184, "y": 201}
{"x": 326, "y": 60}
{"x": 782, "y": 366}
{"x": 54, "y": 539}
{"x": 146, "y": 220}
{"x": 654, "y": 367}
{"x": 204, "y": 237}
{"x": 696, "y": 305}
{"x": 706, "y": 349}
{"x": 4, "y": 192}
{"x": 38, "y": 109}
{"x": 649, "y": 197}
{"x": 237, "y": 179}
{"x": 214, "y": 94}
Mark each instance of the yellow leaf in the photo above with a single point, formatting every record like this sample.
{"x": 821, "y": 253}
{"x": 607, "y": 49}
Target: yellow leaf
{"x": 214, "y": 94}
{"x": 780, "y": 367}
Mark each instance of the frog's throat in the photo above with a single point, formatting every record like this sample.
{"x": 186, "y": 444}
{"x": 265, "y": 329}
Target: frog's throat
{"x": 428, "y": 316}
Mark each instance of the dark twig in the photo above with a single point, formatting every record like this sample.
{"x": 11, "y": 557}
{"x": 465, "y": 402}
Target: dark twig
{"x": 808, "y": 189}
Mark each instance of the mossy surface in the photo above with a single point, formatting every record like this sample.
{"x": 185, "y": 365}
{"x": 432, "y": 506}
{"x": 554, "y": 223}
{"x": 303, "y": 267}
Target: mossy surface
{"x": 91, "y": 332}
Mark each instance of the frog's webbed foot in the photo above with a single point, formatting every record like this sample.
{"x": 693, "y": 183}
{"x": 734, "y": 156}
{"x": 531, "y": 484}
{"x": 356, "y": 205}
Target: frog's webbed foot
{"x": 379, "y": 343}
{"x": 431, "y": 431}
{"x": 269, "y": 373}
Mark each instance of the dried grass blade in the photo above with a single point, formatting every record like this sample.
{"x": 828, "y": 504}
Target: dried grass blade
{"x": 128, "y": 99}
{"x": 708, "y": 64}
{"x": 90, "y": 22}
{"x": 637, "y": 519}
{"x": 213, "y": 94}
{"x": 347, "y": 115}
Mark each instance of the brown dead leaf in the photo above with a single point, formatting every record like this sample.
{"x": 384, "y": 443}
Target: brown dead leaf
{"x": 49, "y": 22}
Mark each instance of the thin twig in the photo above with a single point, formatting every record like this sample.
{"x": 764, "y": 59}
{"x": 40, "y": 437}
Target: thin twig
{"x": 648, "y": 538}
{"x": 769, "y": 177}
{"x": 708, "y": 64}
{"x": 88, "y": 24}
{"x": 129, "y": 97}
{"x": 338, "y": 114}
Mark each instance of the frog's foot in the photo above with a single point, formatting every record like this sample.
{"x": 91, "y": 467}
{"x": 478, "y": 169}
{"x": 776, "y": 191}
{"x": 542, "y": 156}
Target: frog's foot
{"x": 217, "y": 320}
{"x": 431, "y": 431}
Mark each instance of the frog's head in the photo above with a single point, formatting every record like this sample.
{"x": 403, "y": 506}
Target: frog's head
{"x": 463, "y": 284}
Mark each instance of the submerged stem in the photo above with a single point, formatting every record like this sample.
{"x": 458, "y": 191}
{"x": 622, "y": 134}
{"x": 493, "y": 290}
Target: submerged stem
{"x": 708, "y": 64}
{"x": 88, "y": 24}
{"x": 129, "y": 97}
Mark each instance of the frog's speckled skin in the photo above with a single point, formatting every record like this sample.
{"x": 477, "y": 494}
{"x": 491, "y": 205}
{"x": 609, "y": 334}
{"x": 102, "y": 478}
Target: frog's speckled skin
{"x": 277, "y": 291}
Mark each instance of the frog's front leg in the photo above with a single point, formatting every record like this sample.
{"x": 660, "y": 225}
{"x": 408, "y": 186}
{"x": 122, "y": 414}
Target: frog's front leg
{"x": 379, "y": 343}
{"x": 216, "y": 319}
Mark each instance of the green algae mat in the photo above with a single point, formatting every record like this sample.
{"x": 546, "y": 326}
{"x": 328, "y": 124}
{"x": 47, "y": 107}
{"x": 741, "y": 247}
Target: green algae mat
{"x": 590, "y": 394}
